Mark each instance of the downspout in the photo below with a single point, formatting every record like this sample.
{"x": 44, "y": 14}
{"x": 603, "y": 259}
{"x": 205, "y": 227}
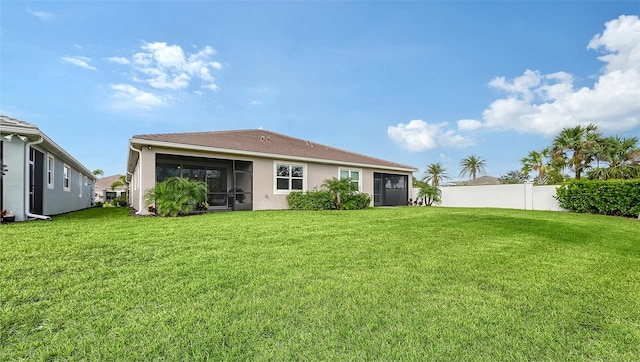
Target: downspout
{"x": 27, "y": 199}
{"x": 130, "y": 192}
{"x": 139, "y": 212}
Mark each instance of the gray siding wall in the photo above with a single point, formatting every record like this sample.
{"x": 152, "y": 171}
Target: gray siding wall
{"x": 56, "y": 199}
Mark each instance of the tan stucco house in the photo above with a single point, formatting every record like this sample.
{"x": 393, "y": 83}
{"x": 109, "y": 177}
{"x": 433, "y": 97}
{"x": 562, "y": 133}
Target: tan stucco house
{"x": 256, "y": 169}
{"x": 104, "y": 190}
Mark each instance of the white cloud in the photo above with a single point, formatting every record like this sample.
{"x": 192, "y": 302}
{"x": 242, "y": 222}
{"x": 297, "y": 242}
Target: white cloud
{"x": 42, "y": 15}
{"x": 164, "y": 69}
{"x": 119, "y": 60}
{"x": 620, "y": 43}
{"x": 82, "y": 62}
{"x": 211, "y": 86}
{"x": 469, "y": 124}
{"x": 256, "y": 103}
{"x": 419, "y": 135}
{"x": 168, "y": 67}
{"x": 129, "y": 96}
{"x": 445, "y": 158}
{"x": 546, "y": 103}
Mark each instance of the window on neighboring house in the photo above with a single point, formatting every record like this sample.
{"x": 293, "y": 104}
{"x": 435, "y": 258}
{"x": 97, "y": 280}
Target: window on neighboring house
{"x": 50, "y": 165}
{"x": 65, "y": 178}
{"x": 289, "y": 177}
{"x": 354, "y": 175}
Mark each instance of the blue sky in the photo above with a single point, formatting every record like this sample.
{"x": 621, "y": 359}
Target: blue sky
{"x": 411, "y": 82}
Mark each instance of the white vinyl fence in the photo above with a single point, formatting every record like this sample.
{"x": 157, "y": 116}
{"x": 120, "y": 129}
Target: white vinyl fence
{"x": 517, "y": 196}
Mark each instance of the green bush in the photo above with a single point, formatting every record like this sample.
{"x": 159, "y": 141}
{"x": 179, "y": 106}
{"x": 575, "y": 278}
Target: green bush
{"x": 122, "y": 200}
{"x": 612, "y": 197}
{"x": 310, "y": 200}
{"x": 324, "y": 200}
{"x": 356, "y": 201}
{"x": 176, "y": 196}
{"x": 98, "y": 204}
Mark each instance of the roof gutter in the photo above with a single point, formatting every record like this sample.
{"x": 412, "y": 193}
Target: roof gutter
{"x": 27, "y": 199}
{"x": 139, "y": 178}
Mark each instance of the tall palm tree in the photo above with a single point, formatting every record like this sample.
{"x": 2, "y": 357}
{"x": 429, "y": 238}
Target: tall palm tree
{"x": 434, "y": 173}
{"x": 536, "y": 161}
{"x": 472, "y": 165}
{"x": 98, "y": 172}
{"x": 578, "y": 140}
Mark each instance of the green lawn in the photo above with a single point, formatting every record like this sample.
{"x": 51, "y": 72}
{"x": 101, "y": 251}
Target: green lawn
{"x": 408, "y": 283}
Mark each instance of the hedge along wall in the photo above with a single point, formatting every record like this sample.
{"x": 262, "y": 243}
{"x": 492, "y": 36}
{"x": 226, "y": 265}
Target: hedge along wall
{"x": 613, "y": 197}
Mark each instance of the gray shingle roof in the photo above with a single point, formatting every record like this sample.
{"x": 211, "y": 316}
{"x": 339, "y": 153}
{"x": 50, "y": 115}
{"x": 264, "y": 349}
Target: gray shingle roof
{"x": 267, "y": 142}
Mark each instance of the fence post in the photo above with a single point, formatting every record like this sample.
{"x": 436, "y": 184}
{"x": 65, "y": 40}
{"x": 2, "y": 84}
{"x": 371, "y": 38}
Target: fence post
{"x": 528, "y": 195}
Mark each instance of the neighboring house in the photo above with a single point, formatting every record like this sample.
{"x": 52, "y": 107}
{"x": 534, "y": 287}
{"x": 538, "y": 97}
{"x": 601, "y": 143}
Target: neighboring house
{"x": 41, "y": 177}
{"x": 105, "y": 193}
{"x": 482, "y": 180}
{"x": 257, "y": 169}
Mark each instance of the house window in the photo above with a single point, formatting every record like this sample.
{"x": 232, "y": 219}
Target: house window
{"x": 289, "y": 177}
{"x": 65, "y": 178}
{"x": 50, "y": 163}
{"x": 354, "y": 175}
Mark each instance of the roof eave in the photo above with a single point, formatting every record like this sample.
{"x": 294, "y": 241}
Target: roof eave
{"x": 35, "y": 133}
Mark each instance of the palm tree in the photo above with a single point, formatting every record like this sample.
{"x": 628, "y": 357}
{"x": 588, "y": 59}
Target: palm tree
{"x": 121, "y": 182}
{"x": 176, "y": 196}
{"x": 471, "y": 166}
{"x": 98, "y": 172}
{"x": 535, "y": 161}
{"x": 339, "y": 188}
{"x": 431, "y": 194}
{"x": 434, "y": 173}
{"x": 578, "y": 140}
{"x": 622, "y": 155}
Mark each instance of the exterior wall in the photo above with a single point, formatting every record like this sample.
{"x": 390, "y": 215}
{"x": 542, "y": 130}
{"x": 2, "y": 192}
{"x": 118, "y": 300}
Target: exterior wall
{"x": 135, "y": 192}
{"x": 265, "y": 196}
{"x": 54, "y": 201}
{"x": 516, "y": 196}
{"x": 57, "y": 200}
{"x": 13, "y": 182}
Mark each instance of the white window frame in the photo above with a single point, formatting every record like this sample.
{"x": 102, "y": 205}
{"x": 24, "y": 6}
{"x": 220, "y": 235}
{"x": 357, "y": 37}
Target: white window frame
{"x": 66, "y": 178}
{"x": 51, "y": 166}
{"x": 350, "y": 170}
{"x": 276, "y": 164}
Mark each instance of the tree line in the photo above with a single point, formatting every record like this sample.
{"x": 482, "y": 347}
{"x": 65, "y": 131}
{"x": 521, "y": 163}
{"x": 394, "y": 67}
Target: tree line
{"x": 584, "y": 151}
{"x": 581, "y": 150}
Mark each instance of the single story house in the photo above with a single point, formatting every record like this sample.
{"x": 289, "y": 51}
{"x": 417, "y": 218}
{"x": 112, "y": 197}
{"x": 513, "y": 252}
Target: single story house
{"x": 104, "y": 190}
{"x": 40, "y": 178}
{"x": 256, "y": 169}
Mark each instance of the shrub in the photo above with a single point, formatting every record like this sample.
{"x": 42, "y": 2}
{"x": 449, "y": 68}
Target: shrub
{"x": 356, "y": 201}
{"x": 612, "y": 197}
{"x": 122, "y": 200}
{"x": 176, "y": 196}
{"x": 310, "y": 200}
{"x": 98, "y": 204}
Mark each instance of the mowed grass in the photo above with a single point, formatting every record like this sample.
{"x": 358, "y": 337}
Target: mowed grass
{"x": 408, "y": 283}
